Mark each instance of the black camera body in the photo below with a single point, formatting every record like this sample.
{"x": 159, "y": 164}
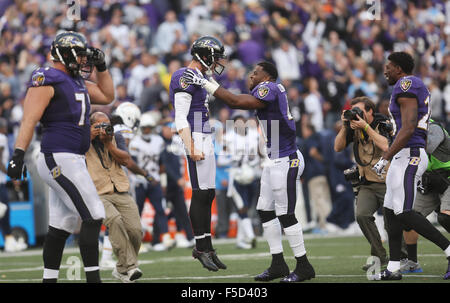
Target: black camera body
{"x": 109, "y": 130}
{"x": 352, "y": 175}
{"x": 350, "y": 114}
{"x": 385, "y": 127}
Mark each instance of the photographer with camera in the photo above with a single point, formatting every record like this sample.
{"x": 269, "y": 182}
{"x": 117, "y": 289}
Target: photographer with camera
{"x": 370, "y": 134}
{"x": 104, "y": 159}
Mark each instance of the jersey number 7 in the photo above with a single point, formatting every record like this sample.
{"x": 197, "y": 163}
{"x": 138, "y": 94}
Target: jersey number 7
{"x": 81, "y": 97}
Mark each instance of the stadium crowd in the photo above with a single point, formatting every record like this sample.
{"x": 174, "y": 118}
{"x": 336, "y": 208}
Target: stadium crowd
{"x": 326, "y": 52}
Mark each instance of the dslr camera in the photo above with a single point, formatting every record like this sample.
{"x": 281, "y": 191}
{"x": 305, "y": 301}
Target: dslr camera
{"x": 350, "y": 114}
{"x": 386, "y": 127}
{"x": 352, "y": 175}
{"x": 109, "y": 130}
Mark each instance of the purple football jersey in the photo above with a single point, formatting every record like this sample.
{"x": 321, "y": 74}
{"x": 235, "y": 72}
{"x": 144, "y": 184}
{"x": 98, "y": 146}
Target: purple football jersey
{"x": 65, "y": 121}
{"x": 198, "y": 116}
{"x": 276, "y": 120}
{"x": 411, "y": 87}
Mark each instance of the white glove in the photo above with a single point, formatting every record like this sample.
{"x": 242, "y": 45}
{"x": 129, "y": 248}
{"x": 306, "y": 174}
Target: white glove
{"x": 197, "y": 78}
{"x": 379, "y": 168}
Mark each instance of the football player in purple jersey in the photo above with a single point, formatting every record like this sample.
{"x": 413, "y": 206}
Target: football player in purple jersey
{"x": 192, "y": 123}
{"x": 59, "y": 98}
{"x": 276, "y": 203}
{"x": 410, "y": 110}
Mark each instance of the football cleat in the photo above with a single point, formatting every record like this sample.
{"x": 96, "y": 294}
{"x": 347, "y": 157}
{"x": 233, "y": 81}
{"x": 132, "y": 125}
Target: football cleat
{"x": 410, "y": 267}
{"x": 205, "y": 259}
{"x": 273, "y": 273}
{"x": 306, "y": 272}
{"x": 447, "y": 275}
{"x": 387, "y": 275}
{"x": 216, "y": 260}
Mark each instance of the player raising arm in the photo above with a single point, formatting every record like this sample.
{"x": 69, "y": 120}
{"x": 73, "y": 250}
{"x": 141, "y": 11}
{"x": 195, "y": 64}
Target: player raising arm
{"x": 59, "y": 98}
{"x": 276, "y": 203}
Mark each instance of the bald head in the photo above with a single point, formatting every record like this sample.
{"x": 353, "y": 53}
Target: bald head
{"x": 99, "y": 117}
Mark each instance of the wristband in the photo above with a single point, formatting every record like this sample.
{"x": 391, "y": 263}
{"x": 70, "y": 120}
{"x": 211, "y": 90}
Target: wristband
{"x": 366, "y": 127}
{"x": 101, "y": 67}
{"x": 211, "y": 87}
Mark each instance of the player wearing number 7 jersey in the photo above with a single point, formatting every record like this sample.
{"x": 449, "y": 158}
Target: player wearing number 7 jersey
{"x": 59, "y": 98}
{"x": 276, "y": 203}
{"x": 410, "y": 110}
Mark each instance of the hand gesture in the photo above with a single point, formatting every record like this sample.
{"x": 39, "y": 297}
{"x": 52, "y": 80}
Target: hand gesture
{"x": 194, "y": 77}
{"x": 379, "y": 167}
{"x": 97, "y": 57}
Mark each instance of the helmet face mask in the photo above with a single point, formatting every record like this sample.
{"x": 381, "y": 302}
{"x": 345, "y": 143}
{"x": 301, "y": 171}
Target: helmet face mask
{"x": 208, "y": 51}
{"x": 71, "y": 49}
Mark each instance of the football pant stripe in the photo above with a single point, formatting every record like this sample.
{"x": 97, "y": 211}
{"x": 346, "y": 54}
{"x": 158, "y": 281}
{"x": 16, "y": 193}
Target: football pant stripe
{"x": 409, "y": 181}
{"x": 292, "y": 184}
{"x": 69, "y": 188}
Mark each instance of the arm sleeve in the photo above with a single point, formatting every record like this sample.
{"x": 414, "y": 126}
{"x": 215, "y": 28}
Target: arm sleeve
{"x": 182, "y": 105}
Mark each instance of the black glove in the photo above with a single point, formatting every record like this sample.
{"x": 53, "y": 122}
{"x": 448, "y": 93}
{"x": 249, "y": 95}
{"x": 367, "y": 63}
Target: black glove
{"x": 98, "y": 59}
{"x": 16, "y": 167}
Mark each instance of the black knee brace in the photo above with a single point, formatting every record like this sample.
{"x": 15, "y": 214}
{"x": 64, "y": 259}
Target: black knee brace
{"x": 444, "y": 220}
{"x": 266, "y": 216}
{"x": 287, "y": 220}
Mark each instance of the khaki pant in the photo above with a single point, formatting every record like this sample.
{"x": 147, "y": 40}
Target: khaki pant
{"x": 125, "y": 233}
{"x": 370, "y": 199}
{"x": 319, "y": 195}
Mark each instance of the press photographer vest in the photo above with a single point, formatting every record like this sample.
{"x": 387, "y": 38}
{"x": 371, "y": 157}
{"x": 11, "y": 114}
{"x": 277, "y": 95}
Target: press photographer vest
{"x": 367, "y": 154}
{"x": 107, "y": 175}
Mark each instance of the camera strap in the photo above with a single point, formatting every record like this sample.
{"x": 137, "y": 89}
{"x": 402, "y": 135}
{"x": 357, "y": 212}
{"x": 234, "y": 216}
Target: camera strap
{"x": 356, "y": 152}
{"x": 98, "y": 146}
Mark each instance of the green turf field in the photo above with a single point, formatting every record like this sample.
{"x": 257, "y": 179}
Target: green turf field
{"x": 337, "y": 259}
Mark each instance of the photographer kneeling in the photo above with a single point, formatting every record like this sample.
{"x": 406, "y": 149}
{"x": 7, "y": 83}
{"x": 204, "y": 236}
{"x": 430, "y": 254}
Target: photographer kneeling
{"x": 104, "y": 159}
{"x": 370, "y": 133}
